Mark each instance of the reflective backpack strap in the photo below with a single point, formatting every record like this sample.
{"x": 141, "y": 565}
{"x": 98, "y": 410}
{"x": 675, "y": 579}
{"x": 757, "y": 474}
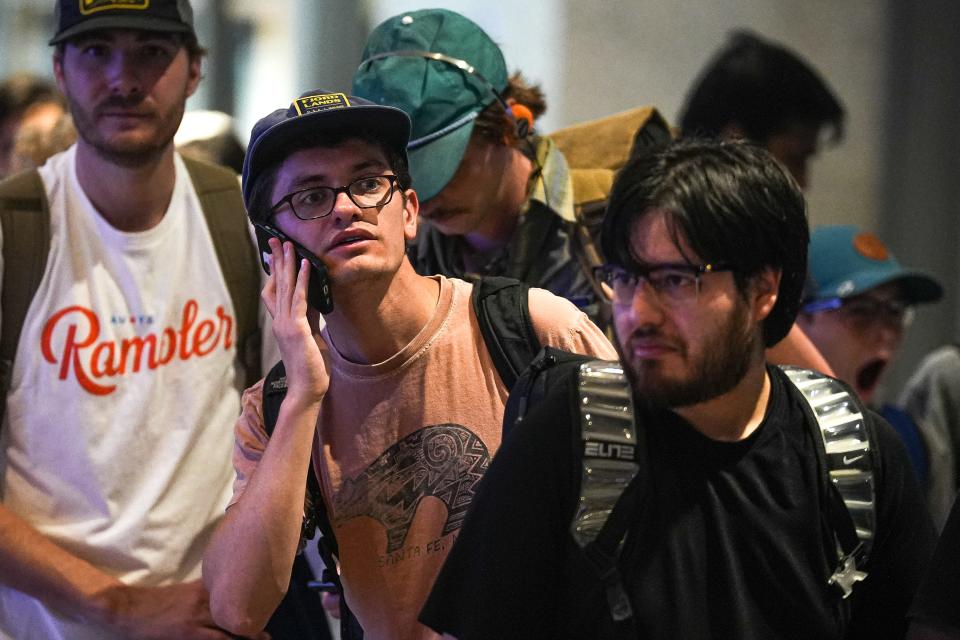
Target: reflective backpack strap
{"x": 503, "y": 314}
{"x": 25, "y": 223}
{"x": 837, "y": 417}
{"x": 218, "y": 190}
{"x": 608, "y": 449}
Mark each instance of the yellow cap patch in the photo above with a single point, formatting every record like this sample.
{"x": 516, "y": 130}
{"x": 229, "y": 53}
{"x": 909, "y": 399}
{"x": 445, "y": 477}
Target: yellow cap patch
{"x": 320, "y": 102}
{"x": 870, "y": 247}
{"x": 92, "y": 6}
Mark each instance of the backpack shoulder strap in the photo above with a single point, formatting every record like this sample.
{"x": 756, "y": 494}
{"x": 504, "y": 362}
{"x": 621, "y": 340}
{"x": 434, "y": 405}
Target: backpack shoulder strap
{"x": 274, "y": 391}
{"x": 25, "y": 223}
{"x": 612, "y": 479}
{"x": 503, "y": 313}
{"x": 315, "y": 516}
{"x": 836, "y": 416}
{"x": 218, "y": 190}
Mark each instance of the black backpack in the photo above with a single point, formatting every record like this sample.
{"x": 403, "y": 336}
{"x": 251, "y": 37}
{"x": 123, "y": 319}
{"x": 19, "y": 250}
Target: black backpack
{"x": 500, "y": 305}
{"x": 610, "y": 447}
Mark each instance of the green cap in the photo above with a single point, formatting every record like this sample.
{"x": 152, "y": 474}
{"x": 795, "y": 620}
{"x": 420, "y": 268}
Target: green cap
{"x": 442, "y": 69}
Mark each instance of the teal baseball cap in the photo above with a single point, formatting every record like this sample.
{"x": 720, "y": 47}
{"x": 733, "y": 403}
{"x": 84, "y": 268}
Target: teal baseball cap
{"x": 442, "y": 70}
{"x": 845, "y": 261}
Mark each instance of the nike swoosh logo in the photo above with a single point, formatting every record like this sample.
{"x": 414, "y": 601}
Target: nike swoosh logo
{"x": 847, "y": 460}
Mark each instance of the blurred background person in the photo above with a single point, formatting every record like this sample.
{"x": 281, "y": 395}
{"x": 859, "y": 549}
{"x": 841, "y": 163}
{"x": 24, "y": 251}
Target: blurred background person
{"x": 759, "y": 90}
{"x": 42, "y": 133}
{"x": 932, "y": 396}
{"x": 210, "y": 136}
{"x": 24, "y": 96}
{"x": 858, "y": 303}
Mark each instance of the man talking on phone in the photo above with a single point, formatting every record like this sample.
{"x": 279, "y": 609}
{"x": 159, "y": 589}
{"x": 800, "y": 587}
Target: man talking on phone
{"x": 396, "y": 401}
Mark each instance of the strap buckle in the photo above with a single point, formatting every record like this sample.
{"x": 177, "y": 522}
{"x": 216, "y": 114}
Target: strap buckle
{"x": 606, "y": 567}
{"x": 846, "y": 574}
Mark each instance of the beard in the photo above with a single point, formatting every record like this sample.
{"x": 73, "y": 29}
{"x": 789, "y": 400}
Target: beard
{"x": 723, "y": 362}
{"x": 136, "y": 152}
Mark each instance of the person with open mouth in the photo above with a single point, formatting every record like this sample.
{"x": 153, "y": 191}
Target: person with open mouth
{"x": 858, "y": 304}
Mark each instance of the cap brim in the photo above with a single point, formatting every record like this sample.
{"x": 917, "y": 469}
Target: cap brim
{"x": 434, "y": 164}
{"x": 143, "y": 23}
{"x": 916, "y": 287}
{"x": 386, "y": 123}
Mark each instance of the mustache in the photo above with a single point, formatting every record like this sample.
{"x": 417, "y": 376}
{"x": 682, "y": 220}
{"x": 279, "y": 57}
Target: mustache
{"x": 647, "y": 334}
{"x": 119, "y": 102}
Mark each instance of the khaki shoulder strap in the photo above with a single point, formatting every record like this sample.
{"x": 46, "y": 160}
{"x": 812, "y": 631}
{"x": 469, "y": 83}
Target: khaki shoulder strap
{"x": 219, "y": 193}
{"x": 595, "y": 150}
{"x": 25, "y": 223}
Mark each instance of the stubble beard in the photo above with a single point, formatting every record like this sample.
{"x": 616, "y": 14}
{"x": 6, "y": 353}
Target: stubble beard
{"x": 128, "y": 154}
{"x": 724, "y": 362}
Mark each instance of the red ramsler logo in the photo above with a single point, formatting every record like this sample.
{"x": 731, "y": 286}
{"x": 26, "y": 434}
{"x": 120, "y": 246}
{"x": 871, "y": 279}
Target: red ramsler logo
{"x": 92, "y": 360}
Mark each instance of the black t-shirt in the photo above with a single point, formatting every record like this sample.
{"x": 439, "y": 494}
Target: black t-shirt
{"x": 730, "y": 541}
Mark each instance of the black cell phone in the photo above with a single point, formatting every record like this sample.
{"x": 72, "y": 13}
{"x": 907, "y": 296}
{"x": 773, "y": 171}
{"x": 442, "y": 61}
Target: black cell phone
{"x": 319, "y": 295}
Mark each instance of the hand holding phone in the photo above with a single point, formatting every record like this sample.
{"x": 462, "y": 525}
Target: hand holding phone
{"x": 319, "y": 295}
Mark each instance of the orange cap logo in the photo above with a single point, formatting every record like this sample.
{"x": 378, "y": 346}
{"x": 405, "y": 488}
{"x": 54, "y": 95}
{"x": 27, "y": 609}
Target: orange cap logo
{"x": 870, "y": 247}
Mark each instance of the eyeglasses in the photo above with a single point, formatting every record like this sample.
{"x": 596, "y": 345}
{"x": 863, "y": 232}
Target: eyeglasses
{"x": 673, "y": 284}
{"x": 317, "y": 202}
{"x": 861, "y": 313}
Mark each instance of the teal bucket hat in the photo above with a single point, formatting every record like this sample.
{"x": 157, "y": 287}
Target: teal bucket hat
{"x": 442, "y": 70}
{"x": 846, "y": 261}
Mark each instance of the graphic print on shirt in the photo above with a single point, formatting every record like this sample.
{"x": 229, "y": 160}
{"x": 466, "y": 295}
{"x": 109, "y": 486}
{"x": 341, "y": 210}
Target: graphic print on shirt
{"x": 445, "y": 461}
{"x": 71, "y": 340}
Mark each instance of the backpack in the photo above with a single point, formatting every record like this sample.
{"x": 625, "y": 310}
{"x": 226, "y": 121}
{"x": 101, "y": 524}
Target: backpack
{"x": 500, "y": 305}
{"x": 595, "y": 151}
{"x": 25, "y": 221}
{"x": 610, "y": 449}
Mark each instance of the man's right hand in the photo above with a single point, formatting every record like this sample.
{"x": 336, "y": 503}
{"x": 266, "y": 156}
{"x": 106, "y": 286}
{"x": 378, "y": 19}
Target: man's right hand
{"x": 285, "y": 297}
{"x": 179, "y": 611}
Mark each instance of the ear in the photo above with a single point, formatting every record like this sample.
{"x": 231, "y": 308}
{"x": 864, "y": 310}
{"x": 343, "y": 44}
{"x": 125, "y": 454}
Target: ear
{"x": 411, "y": 213}
{"x": 58, "y": 68}
{"x": 764, "y": 291}
{"x": 195, "y": 73}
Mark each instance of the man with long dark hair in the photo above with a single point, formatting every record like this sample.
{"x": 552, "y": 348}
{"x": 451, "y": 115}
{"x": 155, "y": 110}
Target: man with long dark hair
{"x": 718, "y": 489}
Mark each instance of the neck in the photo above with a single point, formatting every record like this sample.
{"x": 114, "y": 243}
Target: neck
{"x": 130, "y": 198}
{"x": 374, "y": 319}
{"x": 500, "y": 220}
{"x": 737, "y": 413}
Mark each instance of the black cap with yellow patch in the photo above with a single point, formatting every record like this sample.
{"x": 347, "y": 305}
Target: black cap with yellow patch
{"x": 76, "y": 17}
{"x": 317, "y": 112}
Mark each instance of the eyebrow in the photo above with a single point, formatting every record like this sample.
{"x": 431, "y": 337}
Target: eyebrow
{"x": 312, "y": 178}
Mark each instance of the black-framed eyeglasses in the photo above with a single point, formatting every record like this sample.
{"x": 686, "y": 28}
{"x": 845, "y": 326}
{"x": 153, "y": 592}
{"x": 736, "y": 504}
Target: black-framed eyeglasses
{"x": 673, "y": 284}
{"x": 862, "y": 312}
{"x": 317, "y": 202}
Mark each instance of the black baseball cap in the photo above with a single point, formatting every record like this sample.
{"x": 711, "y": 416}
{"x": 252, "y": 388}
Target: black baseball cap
{"x": 76, "y": 17}
{"x": 316, "y": 112}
